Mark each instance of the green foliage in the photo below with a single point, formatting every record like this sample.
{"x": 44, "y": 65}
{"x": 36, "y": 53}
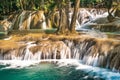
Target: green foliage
{"x": 7, "y": 6}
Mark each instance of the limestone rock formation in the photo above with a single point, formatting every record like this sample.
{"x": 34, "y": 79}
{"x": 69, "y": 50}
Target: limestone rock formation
{"x": 91, "y": 51}
{"x": 5, "y": 25}
{"x": 24, "y": 20}
{"x": 103, "y": 24}
{"x": 29, "y": 20}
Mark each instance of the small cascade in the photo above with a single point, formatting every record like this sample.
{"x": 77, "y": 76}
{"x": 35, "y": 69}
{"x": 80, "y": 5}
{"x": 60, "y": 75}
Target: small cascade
{"x": 21, "y": 17}
{"x": 90, "y": 51}
{"x": 25, "y": 20}
{"x": 30, "y": 20}
{"x": 87, "y": 15}
{"x": 97, "y": 19}
{"x": 84, "y": 16}
{"x": 43, "y": 22}
{"x": 5, "y": 25}
{"x": 96, "y": 33}
{"x": 28, "y": 54}
{"x": 96, "y": 53}
{"x": 44, "y": 50}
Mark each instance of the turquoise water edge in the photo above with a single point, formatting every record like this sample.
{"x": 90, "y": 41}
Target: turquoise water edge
{"x": 52, "y": 71}
{"x": 44, "y": 71}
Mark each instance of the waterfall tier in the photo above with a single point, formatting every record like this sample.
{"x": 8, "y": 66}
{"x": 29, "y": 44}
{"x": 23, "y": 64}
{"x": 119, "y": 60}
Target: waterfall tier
{"x": 86, "y": 19}
{"x": 91, "y": 51}
{"x": 24, "y": 20}
{"x": 29, "y": 20}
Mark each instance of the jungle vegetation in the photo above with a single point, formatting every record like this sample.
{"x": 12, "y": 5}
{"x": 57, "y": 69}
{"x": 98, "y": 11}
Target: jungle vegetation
{"x": 8, "y": 7}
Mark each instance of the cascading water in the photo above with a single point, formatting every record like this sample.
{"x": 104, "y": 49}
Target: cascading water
{"x": 89, "y": 51}
{"x": 83, "y": 52}
{"x": 86, "y": 19}
{"x": 26, "y": 20}
{"x": 96, "y": 33}
{"x": 29, "y": 21}
{"x": 65, "y": 52}
{"x": 97, "y": 19}
{"x": 21, "y": 20}
{"x": 44, "y": 22}
{"x": 89, "y": 18}
{"x": 28, "y": 54}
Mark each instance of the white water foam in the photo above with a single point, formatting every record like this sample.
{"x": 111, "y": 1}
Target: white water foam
{"x": 8, "y": 38}
{"x": 92, "y": 71}
{"x": 96, "y": 33}
{"x": 17, "y": 63}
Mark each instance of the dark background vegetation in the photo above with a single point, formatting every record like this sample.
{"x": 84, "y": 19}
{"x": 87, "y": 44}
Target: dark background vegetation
{"x": 10, "y": 6}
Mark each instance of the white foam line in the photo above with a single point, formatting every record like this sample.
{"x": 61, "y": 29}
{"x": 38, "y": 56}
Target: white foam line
{"x": 96, "y": 71}
{"x": 26, "y": 63}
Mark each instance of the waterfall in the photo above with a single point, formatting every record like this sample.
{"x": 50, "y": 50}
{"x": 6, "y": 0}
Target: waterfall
{"x": 96, "y": 33}
{"x": 37, "y": 20}
{"x": 5, "y": 25}
{"x": 97, "y": 19}
{"x": 87, "y": 15}
{"x": 57, "y": 50}
{"x": 90, "y": 51}
{"x": 28, "y": 54}
{"x": 29, "y": 21}
{"x": 21, "y": 20}
{"x": 44, "y": 22}
{"x": 26, "y": 20}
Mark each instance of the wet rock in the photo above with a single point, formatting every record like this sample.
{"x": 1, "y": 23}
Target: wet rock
{"x": 104, "y": 25}
{"x": 26, "y": 20}
{"x": 91, "y": 51}
{"x": 5, "y": 25}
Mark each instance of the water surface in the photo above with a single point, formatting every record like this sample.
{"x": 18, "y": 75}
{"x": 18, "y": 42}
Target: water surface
{"x": 54, "y": 71}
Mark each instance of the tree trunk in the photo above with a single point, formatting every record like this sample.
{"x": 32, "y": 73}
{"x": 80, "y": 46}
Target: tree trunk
{"x": 21, "y": 4}
{"x": 65, "y": 27}
{"x": 74, "y": 17}
{"x": 61, "y": 27}
{"x": 7, "y": 7}
{"x": 67, "y": 10}
{"x": 42, "y": 4}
